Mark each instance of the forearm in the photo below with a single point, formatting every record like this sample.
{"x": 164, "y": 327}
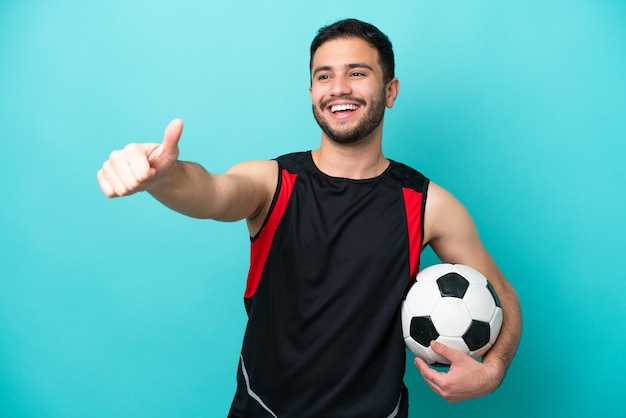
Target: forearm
{"x": 503, "y": 351}
{"x": 243, "y": 192}
{"x": 189, "y": 189}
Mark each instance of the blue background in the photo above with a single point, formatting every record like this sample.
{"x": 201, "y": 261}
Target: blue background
{"x": 122, "y": 308}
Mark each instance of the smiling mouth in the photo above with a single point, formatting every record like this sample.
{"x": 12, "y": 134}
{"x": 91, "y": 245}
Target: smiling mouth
{"x": 343, "y": 108}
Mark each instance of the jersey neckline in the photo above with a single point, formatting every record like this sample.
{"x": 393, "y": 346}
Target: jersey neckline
{"x": 316, "y": 169}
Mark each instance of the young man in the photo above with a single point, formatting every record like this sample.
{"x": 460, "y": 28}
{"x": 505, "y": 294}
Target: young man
{"x": 336, "y": 237}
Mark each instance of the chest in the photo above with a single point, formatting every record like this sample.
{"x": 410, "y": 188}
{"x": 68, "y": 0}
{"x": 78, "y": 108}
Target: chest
{"x": 345, "y": 227}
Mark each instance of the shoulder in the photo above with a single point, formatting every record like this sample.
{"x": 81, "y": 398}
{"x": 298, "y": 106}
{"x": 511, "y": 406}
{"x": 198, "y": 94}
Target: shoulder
{"x": 401, "y": 169}
{"x": 444, "y": 213}
{"x": 438, "y": 196}
{"x": 408, "y": 176}
{"x": 448, "y": 226}
{"x": 262, "y": 174}
{"x": 295, "y": 161}
{"x": 254, "y": 168}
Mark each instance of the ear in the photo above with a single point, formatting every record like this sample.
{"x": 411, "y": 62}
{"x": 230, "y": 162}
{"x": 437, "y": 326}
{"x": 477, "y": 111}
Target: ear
{"x": 391, "y": 91}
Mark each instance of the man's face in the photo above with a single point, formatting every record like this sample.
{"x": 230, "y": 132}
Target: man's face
{"x": 347, "y": 90}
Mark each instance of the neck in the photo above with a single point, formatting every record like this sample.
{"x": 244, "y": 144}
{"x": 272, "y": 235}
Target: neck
{"x": 361, "y": 160}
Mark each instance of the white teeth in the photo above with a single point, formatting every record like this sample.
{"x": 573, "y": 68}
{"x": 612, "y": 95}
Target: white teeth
{"x": 338, "y": 108}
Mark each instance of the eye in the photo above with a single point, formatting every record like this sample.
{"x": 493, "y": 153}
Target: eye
{"x": 357, "y": 74}
{"x": 323, "y": 77}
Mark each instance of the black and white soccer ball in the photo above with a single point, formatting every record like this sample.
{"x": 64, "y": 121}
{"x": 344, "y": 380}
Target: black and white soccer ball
{"x": 455, "y": 305}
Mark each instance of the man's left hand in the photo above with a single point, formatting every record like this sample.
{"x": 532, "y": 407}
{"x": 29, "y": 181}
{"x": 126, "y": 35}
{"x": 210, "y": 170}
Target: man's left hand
{"x": 466, "y": 378}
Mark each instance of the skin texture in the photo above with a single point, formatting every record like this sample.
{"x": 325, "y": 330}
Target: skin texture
{"x": 345, "y": 71}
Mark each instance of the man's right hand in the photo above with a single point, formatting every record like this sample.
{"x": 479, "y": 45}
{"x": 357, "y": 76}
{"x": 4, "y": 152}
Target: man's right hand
{"x": 139, "y": 166}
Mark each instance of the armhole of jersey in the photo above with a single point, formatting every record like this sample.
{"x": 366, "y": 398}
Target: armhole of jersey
{"x": 279, "y": 183}
{"x": 262, "y": 242}
{"x": 415, "y": 205}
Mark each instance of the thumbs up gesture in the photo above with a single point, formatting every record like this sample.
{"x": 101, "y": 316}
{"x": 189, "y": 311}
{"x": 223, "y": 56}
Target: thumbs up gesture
{"x": 137, "y": 167}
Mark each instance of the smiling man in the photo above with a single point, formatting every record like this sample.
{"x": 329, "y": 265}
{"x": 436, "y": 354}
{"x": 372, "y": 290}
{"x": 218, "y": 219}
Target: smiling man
{"x": 336, "y": 236}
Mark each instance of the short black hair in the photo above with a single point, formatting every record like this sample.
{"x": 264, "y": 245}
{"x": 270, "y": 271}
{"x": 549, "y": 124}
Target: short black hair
{"x": 353, "y": 28}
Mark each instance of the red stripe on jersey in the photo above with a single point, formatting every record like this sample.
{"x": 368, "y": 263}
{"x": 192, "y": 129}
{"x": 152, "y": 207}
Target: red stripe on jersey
{"x": 260, "y": 247}
{"x": 413, "y": 207}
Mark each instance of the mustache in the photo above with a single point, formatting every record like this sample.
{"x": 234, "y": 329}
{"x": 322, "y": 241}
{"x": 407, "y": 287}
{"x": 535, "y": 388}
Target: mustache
{"x": 358, "y": 100}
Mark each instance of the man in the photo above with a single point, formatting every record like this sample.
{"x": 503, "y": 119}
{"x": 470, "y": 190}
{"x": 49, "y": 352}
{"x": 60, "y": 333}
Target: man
{"x": 336, "y": 235}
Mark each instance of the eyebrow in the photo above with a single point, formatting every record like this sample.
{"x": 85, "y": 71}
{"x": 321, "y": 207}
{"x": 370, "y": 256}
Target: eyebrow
{"x": 347, "y": 67}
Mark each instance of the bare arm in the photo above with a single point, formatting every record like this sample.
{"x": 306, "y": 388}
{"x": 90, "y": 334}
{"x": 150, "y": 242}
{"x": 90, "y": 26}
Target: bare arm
{"x": 452, "y": 234}
{"x": 244, "y": 191}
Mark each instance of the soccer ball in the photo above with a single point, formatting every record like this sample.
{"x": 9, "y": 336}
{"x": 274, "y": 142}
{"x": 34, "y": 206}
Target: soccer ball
{"x": 455, "y": 305}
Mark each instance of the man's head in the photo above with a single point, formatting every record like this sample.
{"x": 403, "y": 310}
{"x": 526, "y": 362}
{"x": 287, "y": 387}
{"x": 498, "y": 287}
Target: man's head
{"x": 352, "y": 81}
{"x": 353, "y": 28}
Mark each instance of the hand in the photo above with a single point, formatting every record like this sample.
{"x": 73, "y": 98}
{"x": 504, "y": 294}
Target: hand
{"x": 138, "y": 166}
{"x": 466, "y": 379}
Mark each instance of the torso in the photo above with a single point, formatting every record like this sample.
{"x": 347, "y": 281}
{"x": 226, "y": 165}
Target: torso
{"x": 326, "y": 282}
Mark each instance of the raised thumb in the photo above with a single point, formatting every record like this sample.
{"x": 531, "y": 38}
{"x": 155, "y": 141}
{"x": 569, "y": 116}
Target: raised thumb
{"x": 172, "y": 136}
{"x": 168, "y": 150}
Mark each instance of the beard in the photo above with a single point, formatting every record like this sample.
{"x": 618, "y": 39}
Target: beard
{"x": 352, "y": 134}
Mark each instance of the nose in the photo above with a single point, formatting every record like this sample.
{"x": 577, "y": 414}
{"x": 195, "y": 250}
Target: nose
{"x": 341, "y": 86}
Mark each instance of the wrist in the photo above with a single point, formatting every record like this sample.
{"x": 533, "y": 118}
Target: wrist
{"x": 166, "y": 181}
{"x": 497, "y": 370}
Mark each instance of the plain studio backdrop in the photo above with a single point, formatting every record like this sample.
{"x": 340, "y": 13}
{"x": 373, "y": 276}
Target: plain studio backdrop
{"x": 122, "y": 308}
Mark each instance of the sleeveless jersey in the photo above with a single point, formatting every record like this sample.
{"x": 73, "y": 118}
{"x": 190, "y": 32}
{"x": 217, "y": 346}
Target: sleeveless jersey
{"x": 329, "y": 269}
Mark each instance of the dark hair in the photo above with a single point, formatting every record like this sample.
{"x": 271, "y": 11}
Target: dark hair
{"x": 353, "y": 28}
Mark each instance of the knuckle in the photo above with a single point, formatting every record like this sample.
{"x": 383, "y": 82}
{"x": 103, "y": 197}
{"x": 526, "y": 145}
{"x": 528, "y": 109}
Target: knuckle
{"x": 133, "y": 185}
{"x": 116, "y": 153}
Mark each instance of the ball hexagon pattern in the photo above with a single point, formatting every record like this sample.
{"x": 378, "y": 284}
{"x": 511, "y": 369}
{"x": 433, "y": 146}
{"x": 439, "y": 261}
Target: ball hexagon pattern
{"x": 455, "y": 305}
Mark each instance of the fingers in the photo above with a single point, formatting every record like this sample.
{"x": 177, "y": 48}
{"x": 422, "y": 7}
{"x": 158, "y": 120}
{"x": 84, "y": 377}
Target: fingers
{"x": 427, "y": 372}
{"x": 431, "y": 376}
{"x": 126, "y": 171}
{"x": 450, "y": 354}
{"x": 465, "y": 379}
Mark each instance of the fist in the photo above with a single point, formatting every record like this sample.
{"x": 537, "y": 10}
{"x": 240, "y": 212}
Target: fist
{"x": 137, "y": 167}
